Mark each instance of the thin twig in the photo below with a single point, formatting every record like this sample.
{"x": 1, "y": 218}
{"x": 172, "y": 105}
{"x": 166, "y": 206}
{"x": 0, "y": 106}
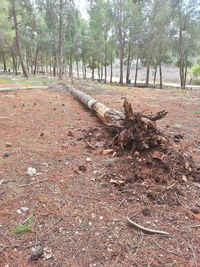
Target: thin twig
{"x": 4, "y": 246}
{"x": 140, "y": 242}
{"x": 27, "y": 219}
{"x": 91, "y": 146}
{"x": 194, "y": 256}
{"x": 36, "y": 182}
{"x": 123, "y": 200}
{"x": 169, "y": 251}
{"x": 148, "y": 230}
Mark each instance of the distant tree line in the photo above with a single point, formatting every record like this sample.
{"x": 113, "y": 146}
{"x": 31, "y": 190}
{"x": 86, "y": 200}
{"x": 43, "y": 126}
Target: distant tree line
{"x": 52, "y": 36}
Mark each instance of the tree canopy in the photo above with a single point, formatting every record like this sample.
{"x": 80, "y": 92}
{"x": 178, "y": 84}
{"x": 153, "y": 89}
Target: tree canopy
{"x": 54, "y": 37}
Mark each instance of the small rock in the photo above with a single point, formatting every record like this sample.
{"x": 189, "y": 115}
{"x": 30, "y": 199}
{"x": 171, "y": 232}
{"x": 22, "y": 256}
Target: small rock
{"x": 195, "y": 210}
{"x": 136, "y": 153}
{"x": 48, "y": 253}
{"x": 187, "y": 165}
{"x": 7, "y": 154}
{"x": 88, "y": 159}
{"x": 31, "y": 171}
{"x": 18, "y": 211}
{"x": 82, "y": 168}
{"x": 114, "y": 154}
{"x": 146, "y": 212}
{"x": 184, "y": 178}
{"x": 100, "y": 217}
{"x": 37, "y": 253}
{"x": 107, "y": 152}
{"x": 8, "y": 144}
{"x": 70, "y": 134}
{"x": 41, "y": 134}
{"x": 24, "y": 209}
{"x": 117, "y": 182}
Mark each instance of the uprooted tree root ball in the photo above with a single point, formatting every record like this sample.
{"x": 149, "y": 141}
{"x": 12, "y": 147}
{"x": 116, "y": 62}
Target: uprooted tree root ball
{"x": 150, "y": 155}
{"x": 136, "y": 131}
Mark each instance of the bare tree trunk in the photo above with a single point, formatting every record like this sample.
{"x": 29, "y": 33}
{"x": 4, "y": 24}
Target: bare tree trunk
{"x": 111, "y": 68}
{"x": 185, "y": 75}
{"x": 36, "y": 59}
{"x": 147, "y": 73}
{"x": 54, "y": 65}
{"x": 181, "y": 61}
{"x": 136, "y": 71}
{"x": 160, "y": 71}
{"x": 128, "y": 65}
{"x": 60, "y": 41}
{"x": 77, "y": 68}
{"x": 121, "y": 58}
{"x": 70, "y": 65}
{"x": 101, "y": 71}
{"x": 18, "y": 42}
{"x": 155, "y": 73}
{"x": 99, "y": 76}
{"x": 133, "y": 130}
{"x": 14, "y": 62}
{"x": 4, "y": 63}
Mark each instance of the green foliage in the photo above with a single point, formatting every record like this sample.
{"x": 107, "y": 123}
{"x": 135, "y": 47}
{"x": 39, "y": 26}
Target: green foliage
{"x": 196, "y": 70}
{"x": 176, "y": 126}
{"x": 23, "y": 228}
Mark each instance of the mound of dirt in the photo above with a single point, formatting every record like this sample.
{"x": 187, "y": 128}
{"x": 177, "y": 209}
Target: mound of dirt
{"x": 161, "y": 165}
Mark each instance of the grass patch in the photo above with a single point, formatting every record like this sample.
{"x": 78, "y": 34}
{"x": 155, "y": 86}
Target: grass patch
{"x": 176, "y": 126}
{"x": 196, "y": 82}
{"x": 22, "y": 228}
{"x": 5, "y": 80}
{"x": 196, "y": 112}
{"x": 68, "y": 124}
{"x": 31, "y": 81}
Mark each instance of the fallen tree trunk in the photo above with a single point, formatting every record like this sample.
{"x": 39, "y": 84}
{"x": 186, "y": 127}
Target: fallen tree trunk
{"x": 133, "y": 130}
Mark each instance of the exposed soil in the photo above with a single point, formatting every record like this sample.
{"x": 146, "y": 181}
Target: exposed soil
{"x": 78, "y": 209}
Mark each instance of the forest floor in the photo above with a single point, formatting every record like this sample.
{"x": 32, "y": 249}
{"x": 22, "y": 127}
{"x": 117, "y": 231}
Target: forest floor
{"x": 69, "y": 213}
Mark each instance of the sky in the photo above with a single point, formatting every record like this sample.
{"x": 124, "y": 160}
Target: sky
{"x": 82, "y": 6}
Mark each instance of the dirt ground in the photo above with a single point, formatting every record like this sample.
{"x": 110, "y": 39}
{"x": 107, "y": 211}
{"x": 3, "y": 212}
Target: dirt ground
{"x": 77, "y": 214}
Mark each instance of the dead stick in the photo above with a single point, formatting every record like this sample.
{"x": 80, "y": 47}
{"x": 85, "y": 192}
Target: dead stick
{"x": 36, "y": 182}
{"x": 148, "y": 230}
{"x": 91, "y": 146}
{"x": 169, "y": 251}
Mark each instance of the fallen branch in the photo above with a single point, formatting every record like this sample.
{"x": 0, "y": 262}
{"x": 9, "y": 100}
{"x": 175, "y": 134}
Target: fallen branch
{"x": 36, "y": 182}
{"x": 8, "y": 89}
{"x": 166, "y": 250}
{"x": 140, "y": 242}
{"x": 4, "y": 246}
{"x": 148, "y": 230}
{"x": 132, "y": 130}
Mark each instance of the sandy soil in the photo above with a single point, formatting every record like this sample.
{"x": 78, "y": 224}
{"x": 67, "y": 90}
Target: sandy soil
{"x": 77, "y": 214}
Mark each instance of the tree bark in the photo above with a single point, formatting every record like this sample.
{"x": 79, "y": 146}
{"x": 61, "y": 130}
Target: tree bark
{"x": 147, "y": 72}
{"x": 155, "y": 73}
{"x": 35, "y": 62}
{"x": 132, "y": 130}
{"x": 160, "y": 71}
{"x": 77, "y": 68}
{"x": 181, "y": 60}
{"x": 136, "y": 72}
{"x": 14, "y": 62}
{"x": 18, "y": 41}
{"x": 111, "y": 68}
{"x": 128, "y": 65}
{"x": 4, "y": 63}
{"x": 60, "y": 40}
